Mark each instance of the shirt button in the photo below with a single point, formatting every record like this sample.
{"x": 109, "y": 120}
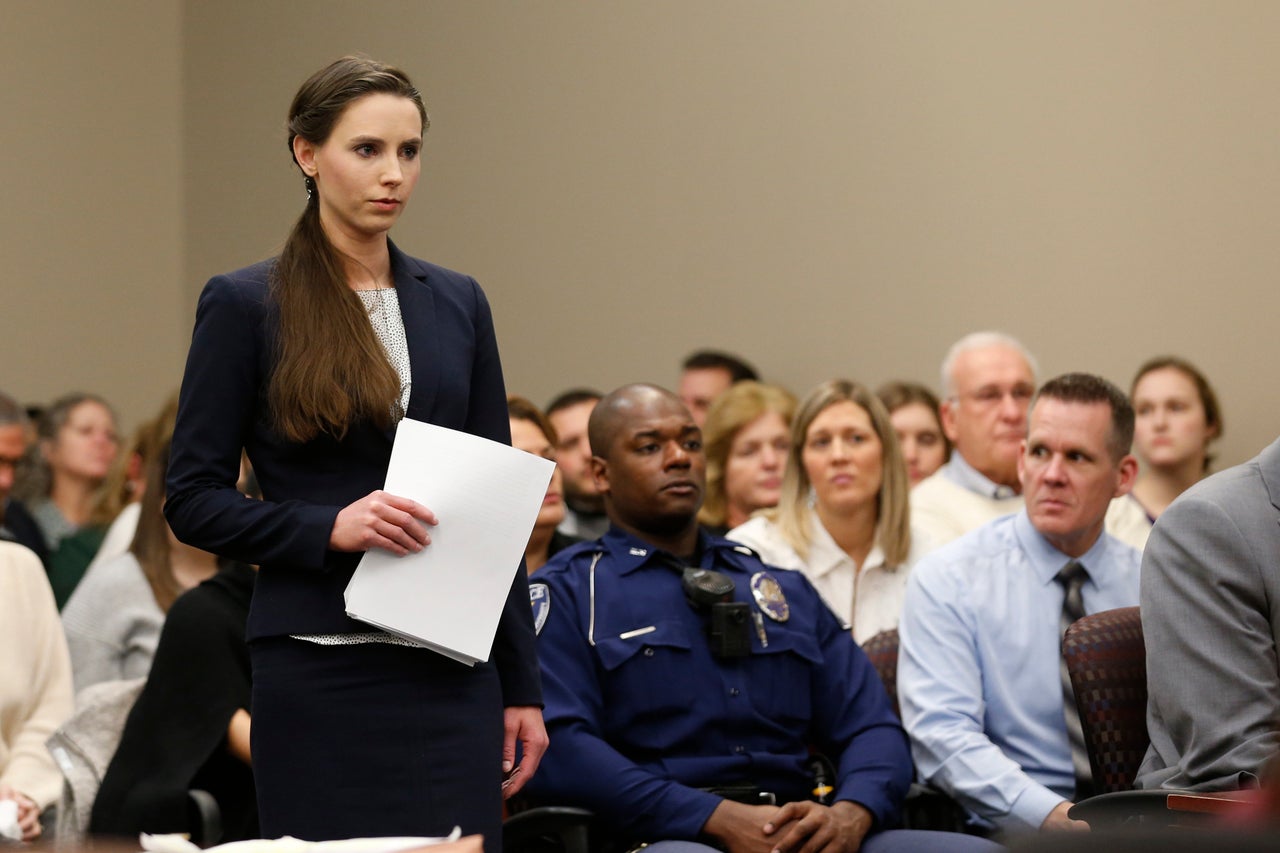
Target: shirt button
{"x": 648, "y": 651}
{"x": 733, "y": 691}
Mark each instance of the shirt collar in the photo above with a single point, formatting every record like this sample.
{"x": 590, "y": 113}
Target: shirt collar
{"x": 825, "y": 556}
{"x": 1047, "y": 560}
{"x": 967, "y": 477}
{"x": 630, "y": 553}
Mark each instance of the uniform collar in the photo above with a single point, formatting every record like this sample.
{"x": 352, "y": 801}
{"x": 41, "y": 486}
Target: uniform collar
{"x": 630, "y": 553}
{"x": 1047, "y": 560}
{"x": 960, "y": 472}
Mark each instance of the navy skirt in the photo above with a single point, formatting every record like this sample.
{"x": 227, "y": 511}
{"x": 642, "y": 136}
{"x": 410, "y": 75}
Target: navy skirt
{"x": 374, "y": 740}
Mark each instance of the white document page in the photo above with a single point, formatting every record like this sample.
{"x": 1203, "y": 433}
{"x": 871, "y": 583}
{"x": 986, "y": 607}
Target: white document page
{"x": 449, "y": 596}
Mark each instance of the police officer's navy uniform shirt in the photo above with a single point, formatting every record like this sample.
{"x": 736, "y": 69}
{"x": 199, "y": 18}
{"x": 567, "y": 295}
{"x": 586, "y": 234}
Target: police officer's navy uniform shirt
{"x": 645, "y": 716}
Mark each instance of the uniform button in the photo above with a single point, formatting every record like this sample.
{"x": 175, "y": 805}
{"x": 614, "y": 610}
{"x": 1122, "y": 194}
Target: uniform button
{"x": 733, "y": 691}
{"x": 648, "y": 651}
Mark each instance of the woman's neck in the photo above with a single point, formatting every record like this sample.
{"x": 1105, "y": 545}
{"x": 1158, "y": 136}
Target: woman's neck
{"x": 535, "y": 553}
{"x": 853, "y": 531}
{"x": 190, "y": 565}
{"x": 1157, "y": 487}
{"x": 735, "y": 516}
{"x": 366, "y": 261}
{"x": 73, "y": 496}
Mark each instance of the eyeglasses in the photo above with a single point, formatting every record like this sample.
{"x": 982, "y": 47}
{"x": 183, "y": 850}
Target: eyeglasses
{"x": 992, "y": 395}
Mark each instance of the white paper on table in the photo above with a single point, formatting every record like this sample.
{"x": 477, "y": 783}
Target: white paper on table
{"x": 486, "y": 495}
{"x": 174, "y": 843}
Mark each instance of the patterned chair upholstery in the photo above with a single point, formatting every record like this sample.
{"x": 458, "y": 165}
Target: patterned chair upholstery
{"x": 1106, "y": 659}
{"x": 882, "y": 650}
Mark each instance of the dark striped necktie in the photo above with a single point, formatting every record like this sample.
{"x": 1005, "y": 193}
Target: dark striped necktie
{"x": 1072, "y": 577}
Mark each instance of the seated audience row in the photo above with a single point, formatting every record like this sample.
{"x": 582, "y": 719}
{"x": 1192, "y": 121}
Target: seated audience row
{"x": 1075, "y": 463}
{"x": 686, "y": 681}
{"x": 111, "y": 625}
{"x": 826, "y": 494}
{"x": 989, "y": 379}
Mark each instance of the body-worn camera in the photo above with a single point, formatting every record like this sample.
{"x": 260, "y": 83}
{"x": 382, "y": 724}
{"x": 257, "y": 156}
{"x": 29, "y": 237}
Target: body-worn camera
{"x": 712, "y": 592}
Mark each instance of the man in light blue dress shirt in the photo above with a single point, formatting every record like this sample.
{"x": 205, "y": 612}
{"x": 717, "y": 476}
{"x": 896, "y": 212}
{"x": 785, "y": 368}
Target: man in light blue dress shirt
{"x": 979, "y": 673}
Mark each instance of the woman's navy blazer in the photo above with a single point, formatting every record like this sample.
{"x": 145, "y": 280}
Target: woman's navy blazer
{"x": 456, "y": 383}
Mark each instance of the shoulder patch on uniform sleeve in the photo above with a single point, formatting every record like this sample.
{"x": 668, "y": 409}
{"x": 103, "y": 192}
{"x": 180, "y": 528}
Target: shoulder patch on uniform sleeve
{"x": 540, "y": 601}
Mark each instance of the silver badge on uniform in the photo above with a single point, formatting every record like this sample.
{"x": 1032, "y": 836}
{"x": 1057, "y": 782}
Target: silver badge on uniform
{"x": 540, "y": 600}
{"x": 767, "y": 592}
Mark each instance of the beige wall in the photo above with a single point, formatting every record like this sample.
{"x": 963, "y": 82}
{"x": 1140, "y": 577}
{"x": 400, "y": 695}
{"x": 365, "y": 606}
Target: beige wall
{"x": 826, "y": 187}
{"x": 91, "y": 201}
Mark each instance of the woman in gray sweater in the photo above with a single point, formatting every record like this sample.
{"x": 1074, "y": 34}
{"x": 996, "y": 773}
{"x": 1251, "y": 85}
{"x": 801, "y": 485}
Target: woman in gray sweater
{"x": 113, "y": 619}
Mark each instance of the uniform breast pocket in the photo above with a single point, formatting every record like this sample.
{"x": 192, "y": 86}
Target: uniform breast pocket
{"x": 781, "y": 675}
{"x": 652, "y": 675}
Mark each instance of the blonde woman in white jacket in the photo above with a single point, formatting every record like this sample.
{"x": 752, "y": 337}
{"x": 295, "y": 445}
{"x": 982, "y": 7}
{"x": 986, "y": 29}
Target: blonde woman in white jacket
{"x": 844, "y": 518}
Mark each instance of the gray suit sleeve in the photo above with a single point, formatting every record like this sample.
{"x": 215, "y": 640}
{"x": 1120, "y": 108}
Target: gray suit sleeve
{"x": 1212, "y": 674}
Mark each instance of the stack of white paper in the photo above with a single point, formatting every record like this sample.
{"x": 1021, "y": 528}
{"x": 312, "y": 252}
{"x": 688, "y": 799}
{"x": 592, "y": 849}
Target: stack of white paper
{"x": 486, "y": 496}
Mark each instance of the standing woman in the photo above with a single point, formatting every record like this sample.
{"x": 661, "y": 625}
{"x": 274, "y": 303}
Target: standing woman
{"x": 1176, "y": 418}
{"x": 308, "y": 361}
{"x": 844, "y": 517}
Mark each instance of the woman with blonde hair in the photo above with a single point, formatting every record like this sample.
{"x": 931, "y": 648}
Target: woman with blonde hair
{"x": 746, "y": 437}
{"x": 61, "y": 477}
{"x": 844, "y": 517}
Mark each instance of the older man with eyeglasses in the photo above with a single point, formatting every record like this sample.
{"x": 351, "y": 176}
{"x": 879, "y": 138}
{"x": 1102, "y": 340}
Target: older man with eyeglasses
{"x": 988, "y": 379}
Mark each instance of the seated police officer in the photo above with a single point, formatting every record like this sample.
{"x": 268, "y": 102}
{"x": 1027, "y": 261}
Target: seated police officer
{"x": 685, "y": 682}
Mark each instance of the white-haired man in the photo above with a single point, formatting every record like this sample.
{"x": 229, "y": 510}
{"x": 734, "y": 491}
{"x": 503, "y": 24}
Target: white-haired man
{"x": 988, "y": 379}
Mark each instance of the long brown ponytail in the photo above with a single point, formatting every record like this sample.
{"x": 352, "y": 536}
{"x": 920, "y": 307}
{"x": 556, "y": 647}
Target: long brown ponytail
{"x": 331, "y": 370}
